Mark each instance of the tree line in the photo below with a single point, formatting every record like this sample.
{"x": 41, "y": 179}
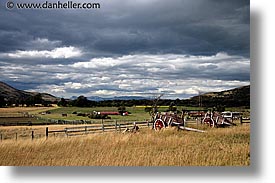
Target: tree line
{"x": 235, "y": 101}
{"x": 27, "y": 101}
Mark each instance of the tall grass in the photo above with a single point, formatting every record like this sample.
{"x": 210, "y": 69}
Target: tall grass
{"x": 169, "y": 147}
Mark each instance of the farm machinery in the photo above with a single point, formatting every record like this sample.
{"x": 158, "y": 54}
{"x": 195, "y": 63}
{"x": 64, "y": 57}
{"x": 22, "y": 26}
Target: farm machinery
{"x": 161, "y": 120}
{"x": 169, "y": 120}
{"x": 215, "y": 119}
{"x": 165, "y": 120}
{"x": 212, "y": 119}
{"x": 209, "y": 117}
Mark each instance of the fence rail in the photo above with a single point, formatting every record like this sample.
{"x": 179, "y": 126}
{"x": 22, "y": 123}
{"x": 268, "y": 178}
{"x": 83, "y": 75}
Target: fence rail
{"x": 38, "y": 120}
{"x": 105, "y": 126}
{"x": 82, "y": 130}
{"x": 244, "y": 120}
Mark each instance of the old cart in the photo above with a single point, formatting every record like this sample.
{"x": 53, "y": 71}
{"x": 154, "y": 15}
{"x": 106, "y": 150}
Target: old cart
{"x": 215, "y": 119}
{"x": 165, "y": 120}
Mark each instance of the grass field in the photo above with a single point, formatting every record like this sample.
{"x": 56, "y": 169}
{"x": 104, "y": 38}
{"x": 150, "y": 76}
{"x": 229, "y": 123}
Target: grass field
{"x": 18, "y": 115}
{"x": 17, "y": 111}
{"x": 15, "y": 114}
{"x": 169, "y": 147}
{"x": 136, "y": 113}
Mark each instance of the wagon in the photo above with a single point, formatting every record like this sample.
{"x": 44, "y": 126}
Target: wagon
{"x": 165, "y": 120}
{"x": 161, "y": 121}
{"x": 215, "y": 119}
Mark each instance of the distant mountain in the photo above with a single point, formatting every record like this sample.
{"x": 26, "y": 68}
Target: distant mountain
{"x": 229, "y": 98}
{"x": 99, "y": 99}
{"x": 10, "y": 93}
{"x": 243, "y": 91}
{"x": 96, "y": 98}
{"x": 129, "y": 98}
{"x": 234, "y": 97}
{"x": 92, "y": 98}
{"x": 49, "y": 97}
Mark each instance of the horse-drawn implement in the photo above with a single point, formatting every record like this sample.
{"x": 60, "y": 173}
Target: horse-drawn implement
{"x": 215, "y": 119}
{"x": 169, "y": 120}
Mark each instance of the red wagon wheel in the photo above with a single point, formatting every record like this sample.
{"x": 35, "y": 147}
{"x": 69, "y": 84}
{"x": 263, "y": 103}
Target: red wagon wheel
{"x": 159, "y": 124}
{"x": 209, "y": 121}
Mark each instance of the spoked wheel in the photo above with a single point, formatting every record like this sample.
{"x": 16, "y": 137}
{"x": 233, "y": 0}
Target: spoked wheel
{"x": 158, "y": 124}
{"x": 209, "y": 122}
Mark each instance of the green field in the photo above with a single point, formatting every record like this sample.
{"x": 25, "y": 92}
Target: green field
{"x": 137, "y": 114}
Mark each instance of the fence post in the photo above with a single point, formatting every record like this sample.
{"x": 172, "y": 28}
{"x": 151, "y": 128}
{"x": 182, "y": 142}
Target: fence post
{"x": 66, "y": 132}
{"x": 32, "y": 135}
{"x": 102, "y": 126}
{"x": 241, "y": 120}
{"x": 134, "y": 125}
{"x": 47, "y": 132}
{"x": 116, "y": 125}
{"x": 119, "y": 128}
{"x": 85, "y": 129}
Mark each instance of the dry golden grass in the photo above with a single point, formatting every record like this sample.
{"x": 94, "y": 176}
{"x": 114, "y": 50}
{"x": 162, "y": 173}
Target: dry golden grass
{"x": 24, "y": 132}
{"x": 17, "y": 111}
{"x": 169, "y": 147}
{"x": 23, "y": 109}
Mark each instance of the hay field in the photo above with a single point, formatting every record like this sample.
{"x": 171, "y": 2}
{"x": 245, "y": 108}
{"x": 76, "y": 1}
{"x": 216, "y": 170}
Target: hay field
{"x": 169, "y": 147}
{"x": 17, "y": 111}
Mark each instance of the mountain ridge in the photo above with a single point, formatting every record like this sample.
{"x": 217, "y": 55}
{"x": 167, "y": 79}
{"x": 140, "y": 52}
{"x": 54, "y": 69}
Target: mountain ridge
{"x": 233, "y": 97}
{"x": 10, "y": 93}
{"x": 237, "y": 96}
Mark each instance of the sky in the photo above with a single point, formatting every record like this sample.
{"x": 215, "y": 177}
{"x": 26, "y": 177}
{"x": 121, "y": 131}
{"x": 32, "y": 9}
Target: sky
{"x": 127, "y": 48}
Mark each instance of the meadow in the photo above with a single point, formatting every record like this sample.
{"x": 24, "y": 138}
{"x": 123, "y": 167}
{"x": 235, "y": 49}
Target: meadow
{"x": 136, "y": 113}
{"x": 168, "y": 147}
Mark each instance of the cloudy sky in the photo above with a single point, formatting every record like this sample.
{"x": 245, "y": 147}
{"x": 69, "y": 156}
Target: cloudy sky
{"x": 133, "y": 48}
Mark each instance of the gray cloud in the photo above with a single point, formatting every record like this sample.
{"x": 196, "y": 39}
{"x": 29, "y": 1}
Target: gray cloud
{"x": 119, "y": 28}
{"x": 175, "y": 75}
{"x": 127, "y": 48}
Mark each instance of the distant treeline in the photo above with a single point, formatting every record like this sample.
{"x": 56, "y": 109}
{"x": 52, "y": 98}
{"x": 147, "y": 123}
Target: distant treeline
{"x": 25, "y": 101}
{"x": 237, "y": 98}
{"x": 205, "y": 101}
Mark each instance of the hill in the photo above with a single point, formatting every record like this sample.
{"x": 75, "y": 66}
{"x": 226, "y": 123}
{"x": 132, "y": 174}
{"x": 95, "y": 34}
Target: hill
{"x": 230, "y": 98}
{"x": 13, "y": 95}
{"x": 99, "y": 99}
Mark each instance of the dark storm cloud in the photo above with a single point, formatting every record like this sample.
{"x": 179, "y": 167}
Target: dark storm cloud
{"x": 119, "y": 27}
{"x": 127, "y": 47}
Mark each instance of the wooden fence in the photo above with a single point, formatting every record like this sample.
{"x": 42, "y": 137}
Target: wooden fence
{"x": 3, "y": 137}
{"x": 244, "y": 120}
{"x": 82, "y": 130}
